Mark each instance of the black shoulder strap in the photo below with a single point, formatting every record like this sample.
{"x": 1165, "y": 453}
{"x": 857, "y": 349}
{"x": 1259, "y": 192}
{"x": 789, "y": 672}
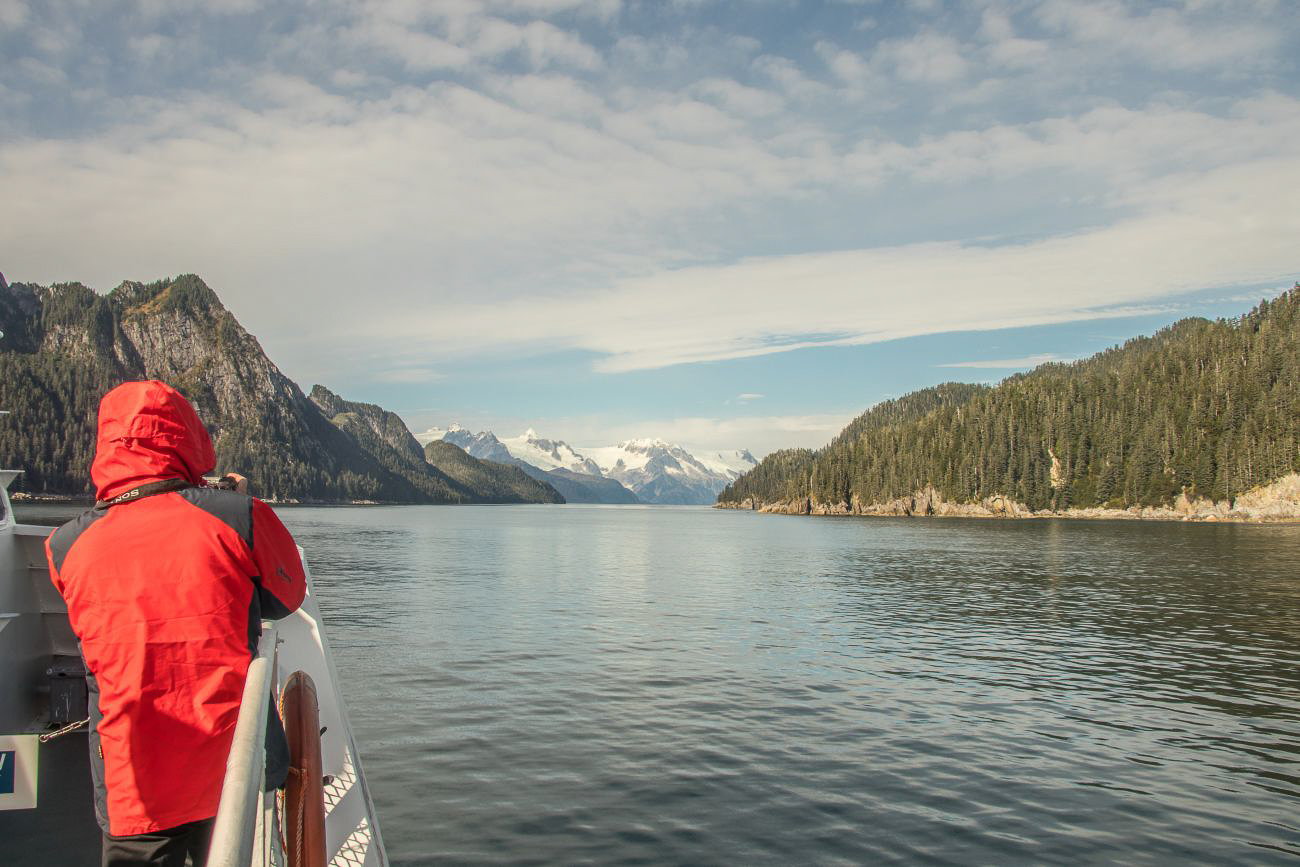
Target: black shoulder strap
{"x": 163, "y": 487}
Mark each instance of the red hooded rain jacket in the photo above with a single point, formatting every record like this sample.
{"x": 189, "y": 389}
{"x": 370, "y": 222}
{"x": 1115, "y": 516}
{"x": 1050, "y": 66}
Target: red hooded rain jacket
{"x": 166, "y": 586}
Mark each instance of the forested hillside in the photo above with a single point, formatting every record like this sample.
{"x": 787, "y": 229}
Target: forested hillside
{"x": 64, "y": 346}
{"x": 1204, "y": 409}
{"x": 456, "y": 478}
{"x": 499, "y": 483}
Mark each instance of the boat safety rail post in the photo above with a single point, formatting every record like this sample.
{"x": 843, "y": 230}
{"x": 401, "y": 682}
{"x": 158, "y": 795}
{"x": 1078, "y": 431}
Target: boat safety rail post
{"x": 235, "y": 826}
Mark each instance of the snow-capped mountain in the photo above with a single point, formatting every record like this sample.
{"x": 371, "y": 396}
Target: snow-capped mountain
{"x": 738, "y": 461}
{"x": 549, "y": 454}
{"x": 483, "y": 445}
{"x": 654, "y": 470}
{"x": 661, "y": 472}
{"x": 555, "y": 463}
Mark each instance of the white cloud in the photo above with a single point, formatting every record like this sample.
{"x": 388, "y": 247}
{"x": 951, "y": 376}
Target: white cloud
{"x": 232, "y": 7}
{"x": 761, "y": 434}
{"x": 847, "y": 66}
{"x": 408, "y": 375}
{"x": 1123, "y": 145}
{"x": 927, "y": 58}
{"x": 540, "y": 184}
{"x": 13, "y": 14}
{"x": 793, "y": 81}
{"x": 417, "y": 50}
{"x": 1189, "y": 232}
{"x": 157, "y": 8}
{"x": 1009, "y": 363}
{"x": 426, "y": 37}
{"x": 555, "y": 96}
{"x": 740, "y": 99}
{"x": 602, "y": 9}
{"x": 1161, "y": 36}
{"x": 445, "y": 198}
{"x": 930, "y": 58}
{"x": 1006, "y": 47}
{"x": 639, "y": 52}
{"x": 149, "y": 47}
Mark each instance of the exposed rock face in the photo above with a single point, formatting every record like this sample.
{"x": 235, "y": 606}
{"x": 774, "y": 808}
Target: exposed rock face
{"x": 369, "y": 422}
{"x": 1276, "y": 502}
{"x": 488, "y": 480}
{"x": 65, "y": 345}
{"x": 384, "y": 436}
{"x": 483, "y": 445}
{"x": 1055, "y": 476}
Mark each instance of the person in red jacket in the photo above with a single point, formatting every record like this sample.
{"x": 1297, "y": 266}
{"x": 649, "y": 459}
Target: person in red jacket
{"x": 167, "y": 582}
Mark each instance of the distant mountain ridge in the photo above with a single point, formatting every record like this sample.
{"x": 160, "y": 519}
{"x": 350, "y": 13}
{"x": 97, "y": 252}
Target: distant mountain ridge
{"x": 482, "y": 445}
{"x": 491, "y": 481}
{"x": 651, "y": 470}
{"x": 446, "y": 474}
{"x": 576, "y": 487}
{"x": 661, "y": 472}
{"x": 1199, "y": 421}
{"x": 65, "y": 345}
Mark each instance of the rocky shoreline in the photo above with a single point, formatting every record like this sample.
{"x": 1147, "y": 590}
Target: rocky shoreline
{"x": 1278, "y": 502}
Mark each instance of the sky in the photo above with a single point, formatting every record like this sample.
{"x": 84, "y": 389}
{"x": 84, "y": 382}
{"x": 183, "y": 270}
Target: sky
{"x": 726, "y": 224}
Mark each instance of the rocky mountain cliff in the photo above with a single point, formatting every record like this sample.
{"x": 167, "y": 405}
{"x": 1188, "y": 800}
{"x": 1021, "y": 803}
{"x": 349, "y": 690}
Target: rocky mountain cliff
{"x": 65, "y": 345}
{"x": 497, "y": 482}
{"x": 483, "y": 445}
{"x": 377, "y": 429}
{"x": 442, "y": 475}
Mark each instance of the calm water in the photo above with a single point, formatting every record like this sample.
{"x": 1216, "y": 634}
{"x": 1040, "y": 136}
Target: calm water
{"x": 631, "y": 685}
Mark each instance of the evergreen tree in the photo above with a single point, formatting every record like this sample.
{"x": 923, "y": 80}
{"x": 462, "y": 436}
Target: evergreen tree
{"x": 1207, "y": 408}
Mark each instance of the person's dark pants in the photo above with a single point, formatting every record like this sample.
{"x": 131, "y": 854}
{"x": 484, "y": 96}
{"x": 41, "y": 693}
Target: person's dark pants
{"x": 169, "y": 848}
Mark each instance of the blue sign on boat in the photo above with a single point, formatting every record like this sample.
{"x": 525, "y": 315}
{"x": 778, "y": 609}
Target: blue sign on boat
{"x": 19, "y": 758}
{"x": 7, "y": 761}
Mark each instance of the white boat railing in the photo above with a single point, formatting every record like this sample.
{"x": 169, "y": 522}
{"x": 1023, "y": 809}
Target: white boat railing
{"x": 235, "y": 828}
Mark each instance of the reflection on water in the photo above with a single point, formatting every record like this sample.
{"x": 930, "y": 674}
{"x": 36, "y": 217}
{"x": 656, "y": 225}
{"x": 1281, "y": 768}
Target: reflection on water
{"x": 632, "y": 685}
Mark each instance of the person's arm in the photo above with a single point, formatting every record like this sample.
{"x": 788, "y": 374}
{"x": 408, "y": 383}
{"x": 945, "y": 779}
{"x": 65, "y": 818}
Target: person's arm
{"x": 55, "y": 579}
{"x": 283, "y": 582}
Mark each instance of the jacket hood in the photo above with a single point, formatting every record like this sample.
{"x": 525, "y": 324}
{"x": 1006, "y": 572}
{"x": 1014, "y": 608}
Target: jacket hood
{"x": 148, "y": 432}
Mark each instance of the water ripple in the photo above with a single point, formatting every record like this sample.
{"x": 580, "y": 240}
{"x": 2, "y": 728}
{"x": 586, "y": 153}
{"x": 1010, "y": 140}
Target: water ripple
{"x": 649, "y": 686}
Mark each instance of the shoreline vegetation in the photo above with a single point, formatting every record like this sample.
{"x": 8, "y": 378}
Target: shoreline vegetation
{"x": 1278, "y": 503}
{"x": 1198, "y": 422}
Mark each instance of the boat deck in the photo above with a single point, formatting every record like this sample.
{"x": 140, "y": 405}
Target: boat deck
{"x": 35, "y": 637}
{"x": 34, "y": 633}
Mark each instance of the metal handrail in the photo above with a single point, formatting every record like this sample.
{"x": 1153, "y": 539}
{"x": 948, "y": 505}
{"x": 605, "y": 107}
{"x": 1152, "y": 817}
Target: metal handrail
{"x": 236, "y": 822}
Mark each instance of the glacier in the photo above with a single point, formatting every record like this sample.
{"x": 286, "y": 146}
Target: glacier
{"x": 653, "y": 470}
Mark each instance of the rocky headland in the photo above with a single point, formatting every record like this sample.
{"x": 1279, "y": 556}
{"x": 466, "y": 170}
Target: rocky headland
{"x": 63, "y": 346}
